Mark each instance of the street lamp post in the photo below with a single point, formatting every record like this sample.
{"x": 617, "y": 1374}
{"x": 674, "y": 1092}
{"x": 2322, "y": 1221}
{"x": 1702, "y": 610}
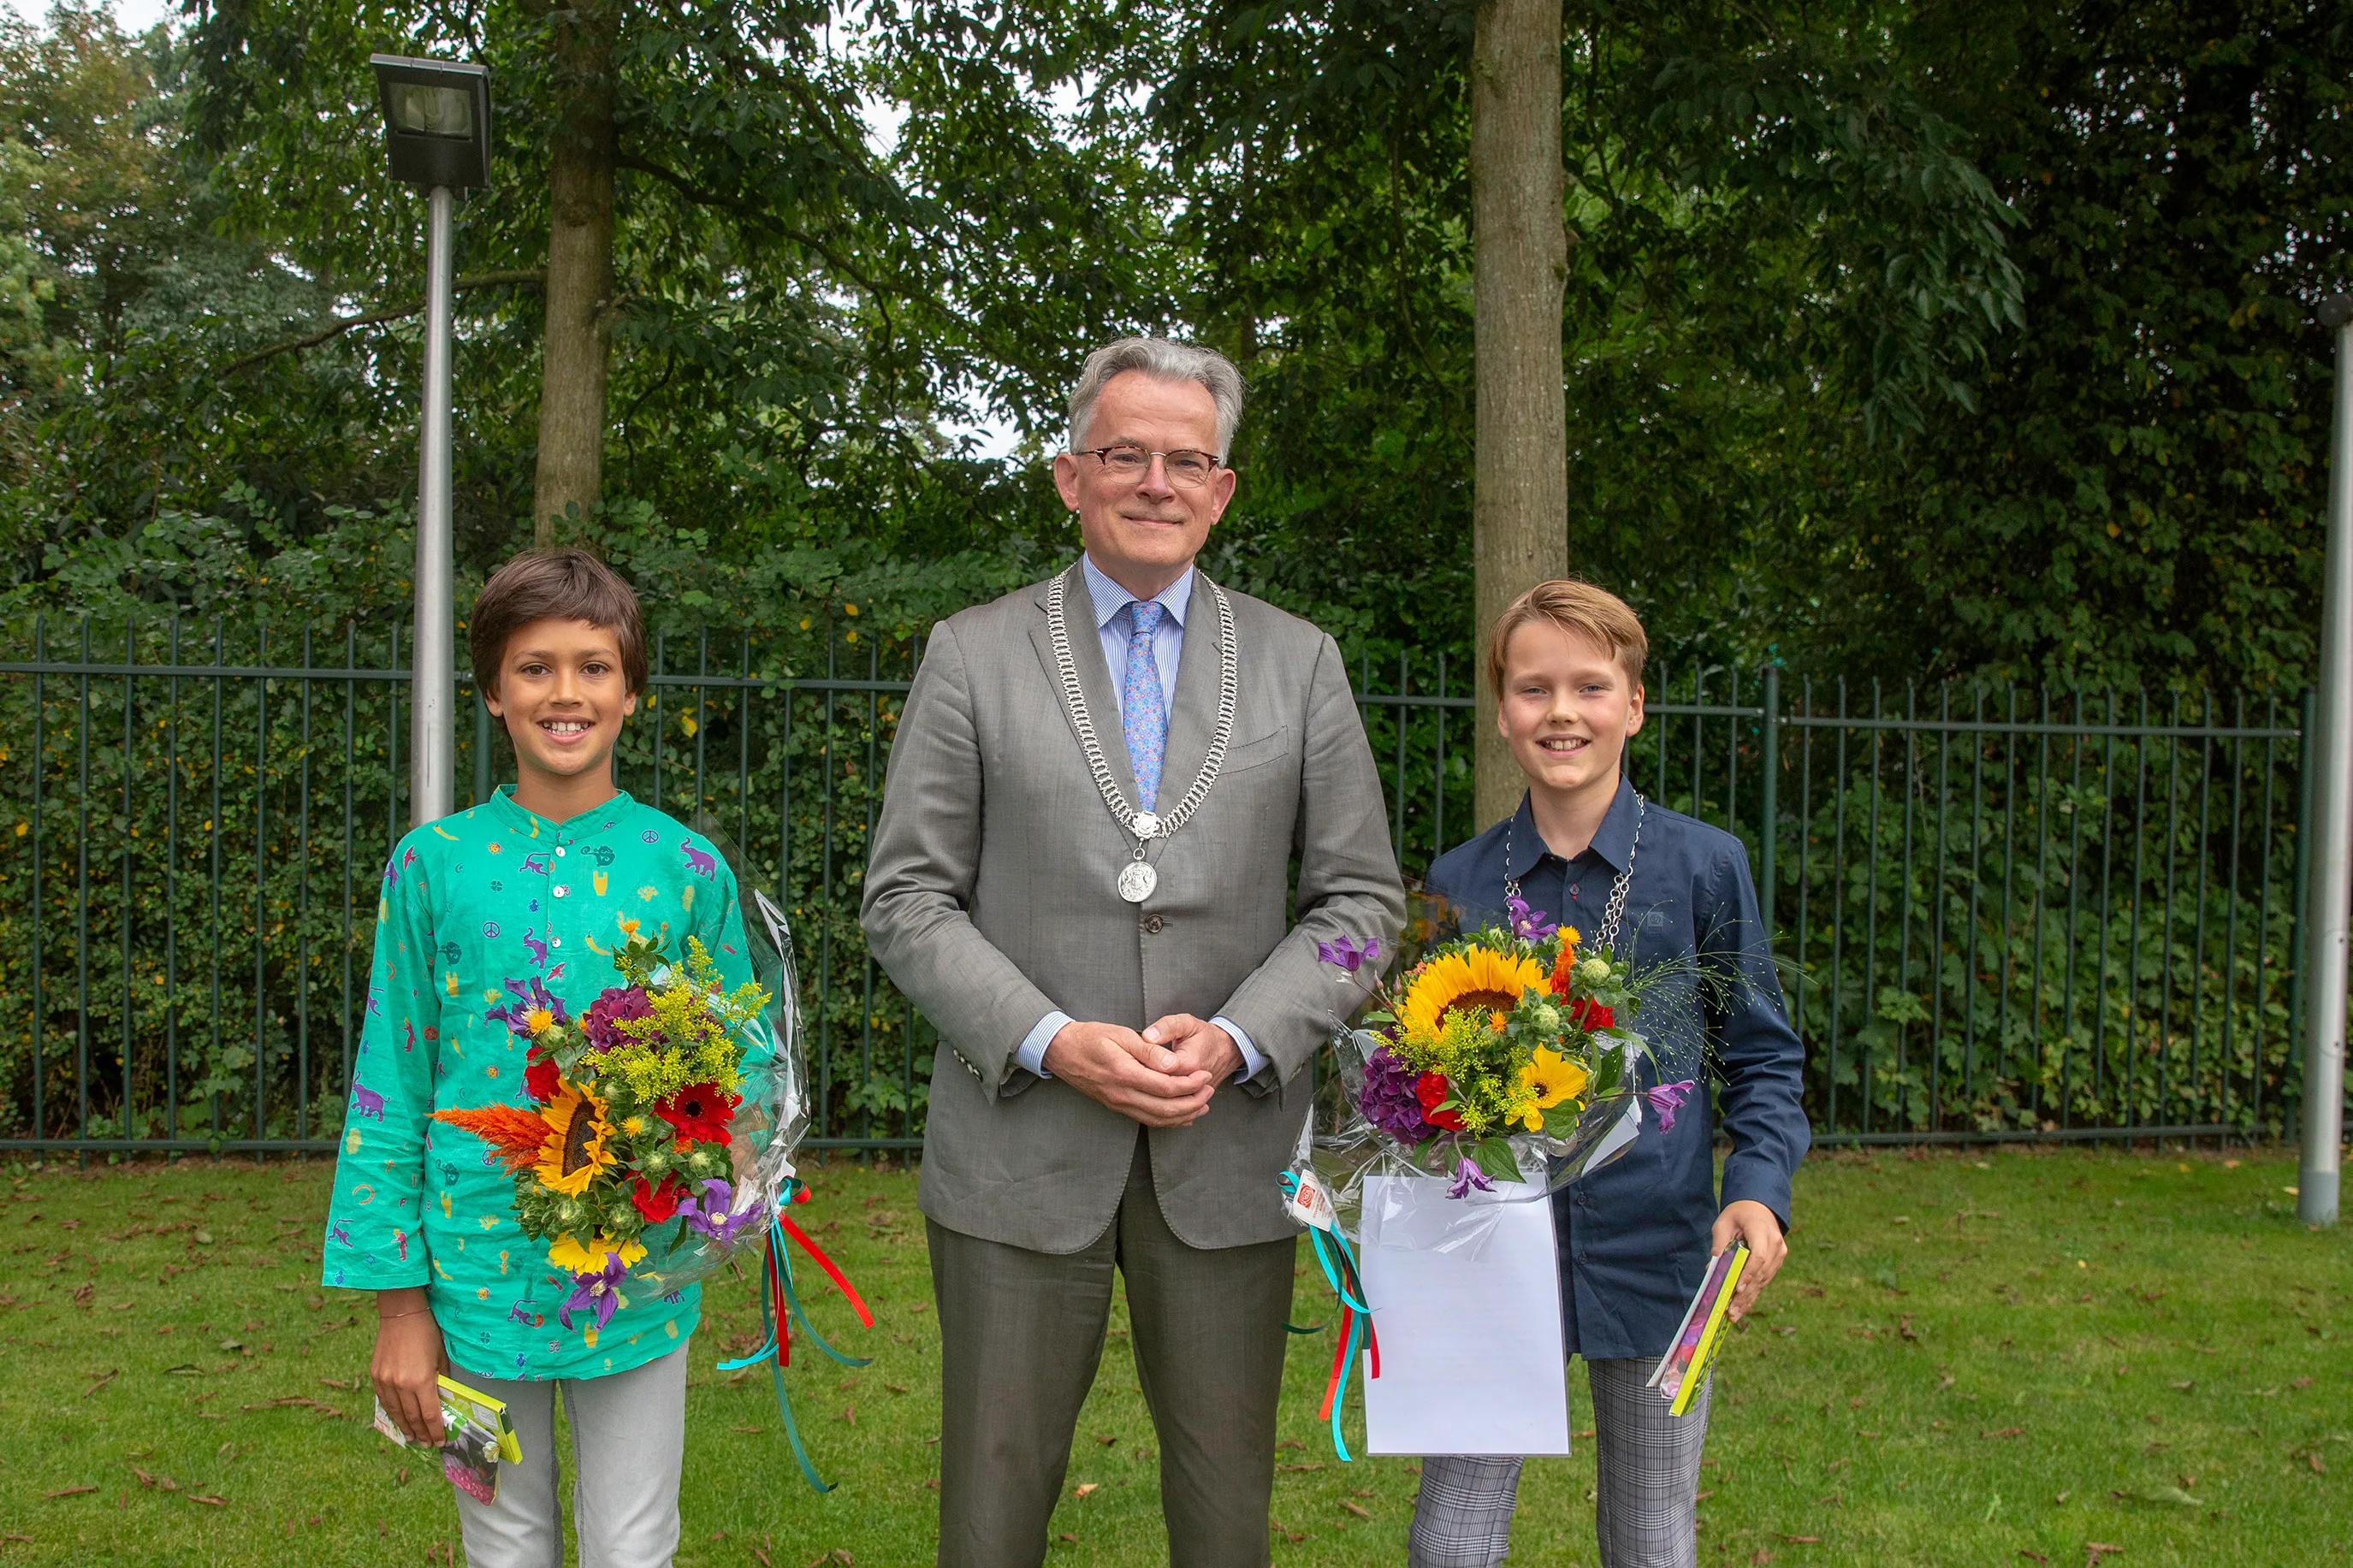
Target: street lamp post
{"x": 436, "y": 133}
{"x": 2326, "y": 923}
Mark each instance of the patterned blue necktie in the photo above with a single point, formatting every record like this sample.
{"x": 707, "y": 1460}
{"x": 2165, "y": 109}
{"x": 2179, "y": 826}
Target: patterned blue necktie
{"x": 1144, "y": 710}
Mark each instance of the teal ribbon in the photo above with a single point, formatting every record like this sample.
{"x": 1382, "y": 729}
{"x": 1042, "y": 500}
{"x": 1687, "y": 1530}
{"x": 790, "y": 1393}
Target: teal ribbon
{"x": 1340, "y": 1394}
{"x": 779, "y": 1270}
{"x": 1339, "y": 1265}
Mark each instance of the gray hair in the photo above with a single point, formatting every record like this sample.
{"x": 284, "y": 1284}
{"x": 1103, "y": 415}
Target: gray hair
{"x": 1162, "y": 359}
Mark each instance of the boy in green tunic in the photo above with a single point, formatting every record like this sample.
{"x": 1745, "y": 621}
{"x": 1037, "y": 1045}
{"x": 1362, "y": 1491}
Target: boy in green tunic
{"x": 542, "y": 883}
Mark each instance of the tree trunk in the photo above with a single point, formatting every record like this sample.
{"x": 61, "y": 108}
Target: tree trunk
{"x": 1520, "y": 510}
{"x": 579, "y": 272}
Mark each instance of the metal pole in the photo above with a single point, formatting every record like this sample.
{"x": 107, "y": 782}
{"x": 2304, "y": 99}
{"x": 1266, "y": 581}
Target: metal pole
{"x": 2332, "y": 855}
{"x": 432, "y": 733}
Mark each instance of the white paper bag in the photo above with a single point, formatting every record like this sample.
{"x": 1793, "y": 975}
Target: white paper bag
{"x": 1472, "y": 1358}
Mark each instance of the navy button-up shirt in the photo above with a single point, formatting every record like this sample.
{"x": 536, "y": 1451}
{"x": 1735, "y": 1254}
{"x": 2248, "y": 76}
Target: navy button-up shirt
{"x": 1634, "y": 1235}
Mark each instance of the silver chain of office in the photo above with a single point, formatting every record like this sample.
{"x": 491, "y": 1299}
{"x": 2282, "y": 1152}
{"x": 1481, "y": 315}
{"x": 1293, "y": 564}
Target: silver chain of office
{"x": 1606, "y": 939}
{"x": 1136, "y": 880}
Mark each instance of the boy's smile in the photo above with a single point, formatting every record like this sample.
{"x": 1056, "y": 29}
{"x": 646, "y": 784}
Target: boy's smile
{"x": 1566, "y": 709}
{"x": 563, "y": 695}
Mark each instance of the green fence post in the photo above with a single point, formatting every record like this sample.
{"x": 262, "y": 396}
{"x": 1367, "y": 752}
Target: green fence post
{"x": 1771, "y": 807}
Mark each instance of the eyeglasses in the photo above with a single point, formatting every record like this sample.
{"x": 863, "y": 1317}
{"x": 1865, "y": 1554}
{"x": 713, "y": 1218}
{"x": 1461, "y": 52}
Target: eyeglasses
{"x": 1186, "y": 467}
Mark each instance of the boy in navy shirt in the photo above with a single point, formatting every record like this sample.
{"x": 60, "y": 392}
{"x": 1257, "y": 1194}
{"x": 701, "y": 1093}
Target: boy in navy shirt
{"x": 1566, "y": 662}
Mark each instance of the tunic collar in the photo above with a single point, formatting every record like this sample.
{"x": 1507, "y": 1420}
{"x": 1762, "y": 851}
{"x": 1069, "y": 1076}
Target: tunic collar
{"x": 529, "y": 823}
{"x": 1614, "y": 841}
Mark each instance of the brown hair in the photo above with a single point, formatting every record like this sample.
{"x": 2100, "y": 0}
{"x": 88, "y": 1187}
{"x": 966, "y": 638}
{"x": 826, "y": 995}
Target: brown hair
{"x": 566, "y": 584}
{"x": 1579, "y": 608}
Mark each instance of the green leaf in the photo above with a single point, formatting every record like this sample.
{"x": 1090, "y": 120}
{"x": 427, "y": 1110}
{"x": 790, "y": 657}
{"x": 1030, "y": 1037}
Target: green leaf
{"x": 1494, "y": 1155}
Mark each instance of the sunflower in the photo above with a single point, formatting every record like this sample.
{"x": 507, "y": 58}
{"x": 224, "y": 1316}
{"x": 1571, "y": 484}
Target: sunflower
{"x": 1479, "y": 977}
{"x": 575, "y": 1151}
{"x": 1554, "y": 1077}
{"x": 576, "y": 1257}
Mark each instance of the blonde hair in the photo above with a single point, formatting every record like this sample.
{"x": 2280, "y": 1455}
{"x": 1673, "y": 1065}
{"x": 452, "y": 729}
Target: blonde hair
{"x": 1578, "y": 608}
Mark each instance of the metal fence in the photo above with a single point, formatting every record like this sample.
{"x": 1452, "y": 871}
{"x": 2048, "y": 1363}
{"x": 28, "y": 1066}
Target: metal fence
{"x": 1998, "y": 912}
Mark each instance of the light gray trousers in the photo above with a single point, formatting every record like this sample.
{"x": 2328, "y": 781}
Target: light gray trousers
{"x": 629, "y": 1438}
{"x": 1646, "y": 1491}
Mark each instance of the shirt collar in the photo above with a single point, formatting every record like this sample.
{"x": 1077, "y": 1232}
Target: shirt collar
{"x": 531, "y": 824}
{"x": 1110, "y": 598}
{"x": 1614, "y": 841}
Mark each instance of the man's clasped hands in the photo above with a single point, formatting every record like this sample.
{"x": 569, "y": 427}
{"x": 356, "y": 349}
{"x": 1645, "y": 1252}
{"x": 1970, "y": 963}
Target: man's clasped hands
{"x": 1161, "y": 1078}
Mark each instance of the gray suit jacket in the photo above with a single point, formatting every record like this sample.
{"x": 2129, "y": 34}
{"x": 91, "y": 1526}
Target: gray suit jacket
{"x": 991, "y": 899}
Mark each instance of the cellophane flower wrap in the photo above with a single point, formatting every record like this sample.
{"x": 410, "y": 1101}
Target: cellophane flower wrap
{"x": 1500, "y": 1060}
{"x": 661, "y": 1120}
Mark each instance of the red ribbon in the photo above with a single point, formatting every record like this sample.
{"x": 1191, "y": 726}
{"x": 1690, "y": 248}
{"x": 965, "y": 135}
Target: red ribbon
{"x": 832, "y": 1269}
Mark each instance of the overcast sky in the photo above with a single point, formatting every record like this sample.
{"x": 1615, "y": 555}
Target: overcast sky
{"x": 131, "y": 15}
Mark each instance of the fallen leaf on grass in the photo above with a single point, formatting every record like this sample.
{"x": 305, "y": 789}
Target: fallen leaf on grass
{"x": 1761, "y": 1557}
{"x": 755, "y": 1431}
{"x": 209, "y": 1502}
{"x": 1107, "y": 1442}
{"x": 1803, "y": 1539}
{"x": 1069, "y": 1537}
{"x": 850, "y": 1414}
{"x": 2005, "y": 1432}
{"x": 101, "y": 1382}
{"x": 69, "y": 1491}
{"x": 1356, "y": 1509}
{"x": 2158, "y": 1494}
{"x": 894, "y": 1388}
{"x": 1085, "y": 1488}
{"x": 2037, "y": 1556}
{"x": 2312, "y": 1458}
{"x": 2095, "y": 1549}
{"x": 1586, "y": 1432}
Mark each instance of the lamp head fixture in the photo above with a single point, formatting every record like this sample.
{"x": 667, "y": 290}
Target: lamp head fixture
{"x": 437, "y": 120}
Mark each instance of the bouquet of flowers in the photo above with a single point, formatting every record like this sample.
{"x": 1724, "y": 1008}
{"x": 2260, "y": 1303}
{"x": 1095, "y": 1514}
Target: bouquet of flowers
{"x": 640, "y": 1158}
{"x": 1505, "y": 1056}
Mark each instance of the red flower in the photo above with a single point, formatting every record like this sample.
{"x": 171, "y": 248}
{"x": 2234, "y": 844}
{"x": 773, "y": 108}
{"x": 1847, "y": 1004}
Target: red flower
{"x": 1591, "y": 1015}
{"x": 539, "y": 1079}
{"x": 700, "y": 1112}
{"x": 657, "y": 1204}
{"x": 1431, "y": 1090}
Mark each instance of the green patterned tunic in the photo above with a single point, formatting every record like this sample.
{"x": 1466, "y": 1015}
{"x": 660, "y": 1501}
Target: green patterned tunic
{"x": 470, "y": 902}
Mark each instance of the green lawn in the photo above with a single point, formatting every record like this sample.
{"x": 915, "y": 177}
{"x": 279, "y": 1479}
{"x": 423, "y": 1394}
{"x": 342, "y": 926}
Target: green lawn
{"x": 1982, "y": 1358}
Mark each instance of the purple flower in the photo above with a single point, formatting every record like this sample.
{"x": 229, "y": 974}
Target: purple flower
{"x": 1347, "y": 955}
{"x": 1467, "y": 1175}
{"x": 598, "y": 1293}
{"x": 610, "y": 1008}
{"x": 529, "y": 997}
{"x": 1388, "y": 1099}
{"x": 1529, "y": 925}
{"x": 708, "y": 1214}
{"x": 1668, "y": 1098}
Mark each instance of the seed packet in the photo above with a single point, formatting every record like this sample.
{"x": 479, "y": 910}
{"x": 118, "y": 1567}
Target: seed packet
{"x": 1682, "y": 1370}
{"x": 475, "y": 1435}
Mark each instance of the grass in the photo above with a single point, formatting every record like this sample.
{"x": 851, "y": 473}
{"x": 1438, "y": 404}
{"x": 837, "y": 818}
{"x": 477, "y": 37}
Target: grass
{"x": 1980, "y": 1357}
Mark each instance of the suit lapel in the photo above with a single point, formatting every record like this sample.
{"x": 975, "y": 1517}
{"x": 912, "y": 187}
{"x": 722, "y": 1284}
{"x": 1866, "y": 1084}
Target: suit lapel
{"x": 1095, "y": 677}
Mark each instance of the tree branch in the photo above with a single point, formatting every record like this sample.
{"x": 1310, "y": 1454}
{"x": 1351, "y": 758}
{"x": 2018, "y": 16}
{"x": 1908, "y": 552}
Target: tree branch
{"x": 343, "y": 324}
{"x": 760, "y": 217}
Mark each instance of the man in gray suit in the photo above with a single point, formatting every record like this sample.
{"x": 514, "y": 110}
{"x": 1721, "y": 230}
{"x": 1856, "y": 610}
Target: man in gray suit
{"x": 1080, "y": 876}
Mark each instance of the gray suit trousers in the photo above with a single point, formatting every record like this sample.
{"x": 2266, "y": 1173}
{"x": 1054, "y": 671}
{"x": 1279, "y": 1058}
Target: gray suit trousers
{"x": 1021, "y": 1336}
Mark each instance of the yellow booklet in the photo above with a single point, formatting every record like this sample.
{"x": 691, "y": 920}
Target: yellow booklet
{"x": 1683, "y": 1370}
{"x": 475, "y": 1435}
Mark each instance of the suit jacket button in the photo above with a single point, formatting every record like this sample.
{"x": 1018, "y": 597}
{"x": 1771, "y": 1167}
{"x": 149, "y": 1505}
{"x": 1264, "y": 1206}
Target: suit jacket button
{"x": 1152, "y": 924}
